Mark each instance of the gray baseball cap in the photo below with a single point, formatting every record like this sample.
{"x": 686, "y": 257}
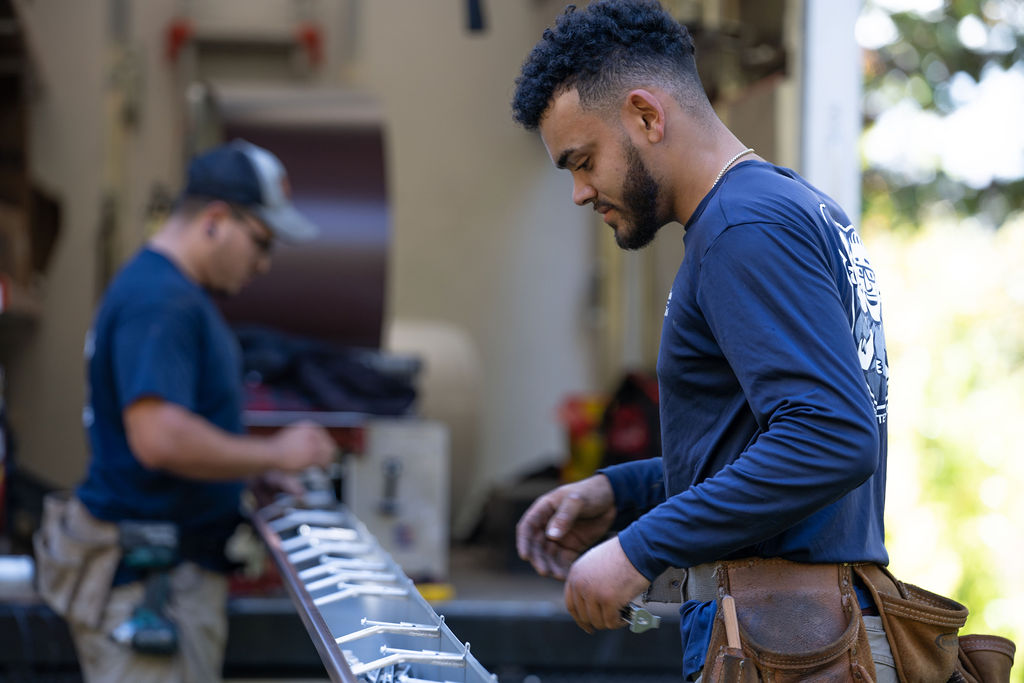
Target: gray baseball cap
{"x": 241, "y": 173}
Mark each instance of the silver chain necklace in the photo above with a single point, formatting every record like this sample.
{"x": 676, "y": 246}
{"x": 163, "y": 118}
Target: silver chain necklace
{"x": 729, "y": 163}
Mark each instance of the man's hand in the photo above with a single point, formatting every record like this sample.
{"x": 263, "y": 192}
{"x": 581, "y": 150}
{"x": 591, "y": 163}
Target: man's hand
{"x": 301, "y": 445}
{"x": 564, "y": 523}
{"x": 268, "y": 485}
{"x": 601, "y": 582}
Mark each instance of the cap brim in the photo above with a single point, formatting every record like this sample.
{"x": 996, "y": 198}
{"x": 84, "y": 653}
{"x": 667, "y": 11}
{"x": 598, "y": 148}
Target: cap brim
{"x": 288, "y": 224}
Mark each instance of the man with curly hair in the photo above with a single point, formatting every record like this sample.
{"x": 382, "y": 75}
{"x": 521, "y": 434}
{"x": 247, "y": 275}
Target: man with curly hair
{"x": 771, "y": 485}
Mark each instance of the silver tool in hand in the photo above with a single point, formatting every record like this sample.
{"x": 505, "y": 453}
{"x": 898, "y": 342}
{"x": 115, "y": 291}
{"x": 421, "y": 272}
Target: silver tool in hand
{"x": 639, "y": 619}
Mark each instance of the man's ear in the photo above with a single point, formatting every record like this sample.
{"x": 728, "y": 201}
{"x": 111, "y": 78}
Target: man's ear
{"x": 212, "y": 214}
{"x": 644, "y": 115}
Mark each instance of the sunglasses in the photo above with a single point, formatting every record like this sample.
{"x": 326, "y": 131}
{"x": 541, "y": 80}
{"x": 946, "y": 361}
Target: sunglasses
{"x": 263, "y": 242}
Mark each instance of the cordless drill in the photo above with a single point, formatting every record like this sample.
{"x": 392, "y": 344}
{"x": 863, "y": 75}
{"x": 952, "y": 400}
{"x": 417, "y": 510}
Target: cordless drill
{"x": 151, "y": 549}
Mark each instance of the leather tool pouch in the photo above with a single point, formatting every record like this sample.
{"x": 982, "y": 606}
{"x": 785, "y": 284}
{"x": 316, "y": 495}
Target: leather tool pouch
{"x": 984, "y": 659}
{"x": 922, "y": 631}
{"x": 76, "y": 557}
{"x": 921, "y": 626}
{"x": 732, "y": 666}
{"x": 797, "y": 622}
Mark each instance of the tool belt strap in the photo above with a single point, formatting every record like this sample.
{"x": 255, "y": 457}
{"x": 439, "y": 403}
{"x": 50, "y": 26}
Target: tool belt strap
{"x": 701, "y": 582}
{"x": 679, "y": 585}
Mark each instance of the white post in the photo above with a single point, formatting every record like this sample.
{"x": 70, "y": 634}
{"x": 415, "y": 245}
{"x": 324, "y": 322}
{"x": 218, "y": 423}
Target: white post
{"x": 831, "y": 101}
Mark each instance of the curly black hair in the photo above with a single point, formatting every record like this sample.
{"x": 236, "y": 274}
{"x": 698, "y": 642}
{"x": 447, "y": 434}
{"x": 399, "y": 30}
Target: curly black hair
{"x": 609, "y": 46}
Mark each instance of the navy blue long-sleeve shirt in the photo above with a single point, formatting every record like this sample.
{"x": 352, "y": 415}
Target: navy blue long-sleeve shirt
{"x": 773, "y": 390}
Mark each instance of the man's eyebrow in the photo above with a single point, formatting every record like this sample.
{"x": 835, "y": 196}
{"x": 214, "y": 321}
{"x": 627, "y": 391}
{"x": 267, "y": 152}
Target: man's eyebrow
{"x": 563, "y": 158}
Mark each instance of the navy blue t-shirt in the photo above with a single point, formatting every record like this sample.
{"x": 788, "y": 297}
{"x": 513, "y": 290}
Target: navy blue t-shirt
{"x": 158, "y": 334}
{"x": 773, "y": 392}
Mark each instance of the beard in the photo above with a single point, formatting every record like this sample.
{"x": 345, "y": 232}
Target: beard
{"x": 640, "y": 203}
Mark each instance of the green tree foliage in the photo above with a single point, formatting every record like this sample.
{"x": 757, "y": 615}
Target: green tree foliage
{"x": 930, "y": 50}
{"x": 950, "y": 249}
{"x": 954, "y": 307}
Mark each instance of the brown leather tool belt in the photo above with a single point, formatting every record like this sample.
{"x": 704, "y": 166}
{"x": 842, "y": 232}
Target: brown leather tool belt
{"x": 797, "y": 621}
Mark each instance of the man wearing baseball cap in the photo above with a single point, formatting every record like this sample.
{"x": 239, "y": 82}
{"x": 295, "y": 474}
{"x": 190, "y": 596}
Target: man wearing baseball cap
{"x": 145, "y": 596}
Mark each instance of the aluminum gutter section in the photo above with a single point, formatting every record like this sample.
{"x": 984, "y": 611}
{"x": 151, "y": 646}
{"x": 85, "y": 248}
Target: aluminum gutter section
{"x": 367, "y": 620}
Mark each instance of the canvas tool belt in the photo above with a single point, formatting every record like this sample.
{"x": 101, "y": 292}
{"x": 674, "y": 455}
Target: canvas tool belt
{"x": 76, "y": 557}
{"x": 679, "y": 585}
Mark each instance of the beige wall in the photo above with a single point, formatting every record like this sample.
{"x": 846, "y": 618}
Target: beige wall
{"x": 67, "y": 140}
{"x": 485, "y": 237}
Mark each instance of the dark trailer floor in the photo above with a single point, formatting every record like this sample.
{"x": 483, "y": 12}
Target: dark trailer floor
{"x": 515, "y": 622}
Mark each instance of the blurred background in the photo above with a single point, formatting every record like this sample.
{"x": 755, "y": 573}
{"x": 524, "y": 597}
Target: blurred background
{"x": 450, "y": 243}
{"x": 943, "y": 193}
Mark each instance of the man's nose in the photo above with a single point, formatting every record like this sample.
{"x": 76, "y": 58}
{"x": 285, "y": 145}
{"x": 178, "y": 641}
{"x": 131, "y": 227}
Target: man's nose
{"x": 582, "y": 193}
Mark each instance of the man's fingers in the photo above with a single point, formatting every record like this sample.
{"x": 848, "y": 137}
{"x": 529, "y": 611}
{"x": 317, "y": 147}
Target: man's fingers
{"x": 577, "y": 608}
{"x": 546, "y": 534}
{"x": 289, "y": 484}
{"x": 559, "y": 559}
{"x": 600, "y": 583}
{"x": 550, "y": 559}
{"x": 534, "y": 554}
{"x": 611, "y": 616}
{"x": 591, "y": 613}
{"x": 530, "y": 528}
{"x": 564, "y": 516}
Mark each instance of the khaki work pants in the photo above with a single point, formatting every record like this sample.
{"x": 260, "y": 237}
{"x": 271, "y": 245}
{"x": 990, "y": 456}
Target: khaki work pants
{"x": 881, "y": 653}
{"x": 197, "y": 606}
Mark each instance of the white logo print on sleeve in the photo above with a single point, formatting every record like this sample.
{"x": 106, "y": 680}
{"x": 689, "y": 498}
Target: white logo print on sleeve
{"x": 866, "y": 314}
